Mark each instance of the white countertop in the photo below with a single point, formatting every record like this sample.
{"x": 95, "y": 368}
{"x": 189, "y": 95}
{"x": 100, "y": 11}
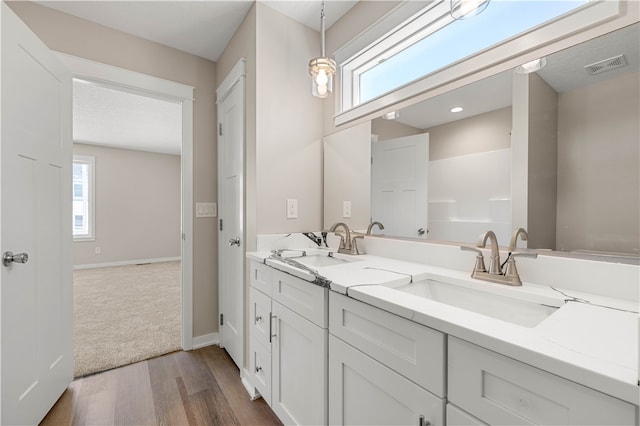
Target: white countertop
{"x": 591, "y": 340}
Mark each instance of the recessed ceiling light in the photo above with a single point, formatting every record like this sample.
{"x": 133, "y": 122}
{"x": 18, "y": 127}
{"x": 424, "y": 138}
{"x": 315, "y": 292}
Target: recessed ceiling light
{"x": 457, "y": 109}
{"x": 392, "y": 115}
{"x": 531, "y": 66}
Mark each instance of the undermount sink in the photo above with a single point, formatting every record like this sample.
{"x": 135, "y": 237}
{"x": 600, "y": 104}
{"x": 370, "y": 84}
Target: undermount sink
{"x": 516, "y": 311}
{"x": 320, "y": 260}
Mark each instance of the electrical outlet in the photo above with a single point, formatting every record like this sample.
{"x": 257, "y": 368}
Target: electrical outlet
{"x": 346, "y": 209}
{"x": 292, "y": 208}
{"x": 98, "y": 250}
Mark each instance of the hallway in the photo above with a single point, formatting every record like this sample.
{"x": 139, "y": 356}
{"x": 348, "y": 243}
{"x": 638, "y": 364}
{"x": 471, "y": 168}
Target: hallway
{"x": 181, "y": 388}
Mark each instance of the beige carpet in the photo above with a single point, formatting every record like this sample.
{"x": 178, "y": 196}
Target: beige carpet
{"x": 125, "y": 314}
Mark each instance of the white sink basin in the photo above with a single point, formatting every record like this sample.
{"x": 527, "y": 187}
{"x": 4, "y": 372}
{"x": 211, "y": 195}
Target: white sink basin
{"x": 320, "y": 260}
{"x": 518, "y": 311}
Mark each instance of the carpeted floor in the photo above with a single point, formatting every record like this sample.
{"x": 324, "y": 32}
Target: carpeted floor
{"x": 125, "y": 314}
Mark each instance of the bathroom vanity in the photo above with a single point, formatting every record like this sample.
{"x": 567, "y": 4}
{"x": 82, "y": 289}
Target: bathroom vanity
{"x": 404, "y": 335}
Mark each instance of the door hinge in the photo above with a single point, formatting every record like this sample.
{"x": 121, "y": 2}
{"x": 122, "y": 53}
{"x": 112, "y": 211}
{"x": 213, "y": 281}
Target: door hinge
{"x": 221, "y": 319}
{"x": 221, "y": 224}
{"x": 220, "y": 129}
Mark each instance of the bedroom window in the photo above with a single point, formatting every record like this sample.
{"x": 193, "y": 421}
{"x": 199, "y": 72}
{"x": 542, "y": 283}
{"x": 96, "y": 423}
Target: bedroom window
{"x": 83, "y": 197}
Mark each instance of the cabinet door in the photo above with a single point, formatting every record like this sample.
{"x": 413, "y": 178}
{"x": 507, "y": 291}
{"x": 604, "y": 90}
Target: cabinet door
{"x": 299, "y": 368}
{"x": 364, "y": 392}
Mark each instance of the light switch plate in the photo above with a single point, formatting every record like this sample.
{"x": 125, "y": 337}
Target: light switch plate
{"x": 206, "y": 210}
{"x": 292, "y": 208}
{"x": 346, "y": 209}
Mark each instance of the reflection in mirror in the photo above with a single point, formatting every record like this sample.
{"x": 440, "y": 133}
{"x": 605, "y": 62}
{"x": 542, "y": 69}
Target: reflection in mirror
{"x": 555, "y": 152}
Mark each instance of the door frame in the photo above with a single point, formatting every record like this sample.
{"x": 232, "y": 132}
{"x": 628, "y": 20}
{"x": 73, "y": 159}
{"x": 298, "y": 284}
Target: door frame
{"x": 153, "y": 86}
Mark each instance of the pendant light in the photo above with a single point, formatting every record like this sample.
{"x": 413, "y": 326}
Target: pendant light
{"x": 322, "y": 69}
{"x": 462, "y": 9}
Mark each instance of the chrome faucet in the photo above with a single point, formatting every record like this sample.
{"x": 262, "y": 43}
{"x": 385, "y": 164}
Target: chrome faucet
{"x": 372, "y": 224}
{"x": 348, "y": 244}
{"x": 495, "y": 274}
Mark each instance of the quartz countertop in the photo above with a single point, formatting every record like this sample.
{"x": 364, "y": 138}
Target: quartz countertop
{"x": 591, "y": 339}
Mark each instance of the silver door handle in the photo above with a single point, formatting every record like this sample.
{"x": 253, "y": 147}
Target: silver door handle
{"x": 234, "y": 242}
{"x": 8, "y": 258}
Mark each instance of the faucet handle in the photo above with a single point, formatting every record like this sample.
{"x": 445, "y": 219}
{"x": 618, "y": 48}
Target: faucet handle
{"x": 479, "y": 266}
{"x": 524, "y": 254}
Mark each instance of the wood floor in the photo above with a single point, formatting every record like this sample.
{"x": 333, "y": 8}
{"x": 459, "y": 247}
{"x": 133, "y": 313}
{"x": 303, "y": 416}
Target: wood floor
{"x": 200, "y": 387}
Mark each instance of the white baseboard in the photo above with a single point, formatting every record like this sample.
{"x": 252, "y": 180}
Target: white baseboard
{"x": 205, "y": 340}
{"x": 251, "y": 390}
{"x": 126, "y": 262}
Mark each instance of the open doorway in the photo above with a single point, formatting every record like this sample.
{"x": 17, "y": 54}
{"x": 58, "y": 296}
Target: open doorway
{"x": 126, "y": 226}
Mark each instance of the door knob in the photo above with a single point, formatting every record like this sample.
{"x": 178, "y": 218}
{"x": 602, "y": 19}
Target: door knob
{"x": 8, "y": 258}
{"x": 234, "y": 242}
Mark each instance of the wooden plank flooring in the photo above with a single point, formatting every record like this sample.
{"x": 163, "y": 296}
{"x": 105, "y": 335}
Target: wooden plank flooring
{"x": 200, "y": 387}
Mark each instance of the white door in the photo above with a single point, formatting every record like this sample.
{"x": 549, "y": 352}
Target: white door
{"x": 35, "y": 211}
{"x": 364, "y": 392}
{"x": 399, "y": 185}
{"x": 230, "y": 199}
{"x": 298, "y": 368}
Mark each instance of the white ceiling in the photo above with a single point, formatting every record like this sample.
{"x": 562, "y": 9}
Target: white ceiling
{"x": 111, "y": 117}
{"x": 202, "y": 28}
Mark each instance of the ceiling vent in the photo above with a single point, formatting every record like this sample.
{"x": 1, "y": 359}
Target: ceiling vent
{"x": 606, "y": 65}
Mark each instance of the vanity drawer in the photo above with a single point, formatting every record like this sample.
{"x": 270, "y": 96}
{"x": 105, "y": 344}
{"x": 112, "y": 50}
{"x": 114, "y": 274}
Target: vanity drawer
{"x": 500, "y": 390}
{"x": 302, "y": 297}
{"x": 260, "y": 368}
{"x": 260, "y": 316}
{"x": 413, "y": 350}
{"x": 261, "y": 277}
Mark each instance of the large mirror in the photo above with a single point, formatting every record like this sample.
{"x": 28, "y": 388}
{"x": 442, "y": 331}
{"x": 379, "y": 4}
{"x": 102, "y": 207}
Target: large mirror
{"x": 555, "y": 151}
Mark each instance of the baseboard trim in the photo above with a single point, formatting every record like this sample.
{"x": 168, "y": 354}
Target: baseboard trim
{"x": 206, "y": 340}
{"x": 251, "y": 390}
{"x": 126, "y": 262}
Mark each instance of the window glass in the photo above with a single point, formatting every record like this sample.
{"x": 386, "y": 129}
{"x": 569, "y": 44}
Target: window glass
{"x": 82, "y": 197}
{"x": 501, "y": 20}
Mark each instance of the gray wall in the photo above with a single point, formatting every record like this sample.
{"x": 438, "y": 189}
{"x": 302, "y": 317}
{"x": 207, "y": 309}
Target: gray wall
{"x": 598, "y": 163}
{"x": 137, "y": 206}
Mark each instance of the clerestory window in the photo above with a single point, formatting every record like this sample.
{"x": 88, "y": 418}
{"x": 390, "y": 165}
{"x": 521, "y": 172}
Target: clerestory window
{"x": 432, "y": 40}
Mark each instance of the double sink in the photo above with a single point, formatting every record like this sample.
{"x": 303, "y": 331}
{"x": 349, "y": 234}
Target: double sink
{"x": 513, "y": 305}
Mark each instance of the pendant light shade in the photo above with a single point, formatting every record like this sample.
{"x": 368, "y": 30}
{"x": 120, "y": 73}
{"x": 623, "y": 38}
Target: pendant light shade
{"x": 463, "y": 9}
{"x": 322, "y": 69}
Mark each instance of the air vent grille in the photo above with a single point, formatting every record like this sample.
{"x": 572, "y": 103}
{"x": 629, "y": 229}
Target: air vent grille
{"x": 606, "y": 65}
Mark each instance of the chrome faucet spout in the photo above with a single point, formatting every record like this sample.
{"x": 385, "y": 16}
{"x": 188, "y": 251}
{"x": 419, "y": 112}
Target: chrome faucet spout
{"x": 494, "y": 260}
{"x": 345, "y": 240}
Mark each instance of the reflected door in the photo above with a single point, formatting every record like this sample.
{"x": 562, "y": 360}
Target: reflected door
{"x": 399, "y": 185}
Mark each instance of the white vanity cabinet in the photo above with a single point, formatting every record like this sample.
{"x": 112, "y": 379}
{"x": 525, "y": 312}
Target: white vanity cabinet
{"x": 499, "y": 390}
{"x": 383, "y": 369}
{"x": 288, "y": 345}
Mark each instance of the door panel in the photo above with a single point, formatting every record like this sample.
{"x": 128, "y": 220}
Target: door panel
{"x": 230, "y": 198}
{"x": 399, "y": 185}
{"x": 35, "y": 211}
